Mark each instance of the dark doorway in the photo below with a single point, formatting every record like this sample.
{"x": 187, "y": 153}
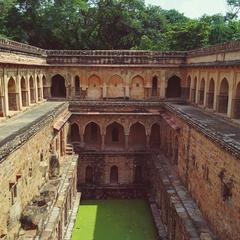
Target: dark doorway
{"x": 138, "y": 174}
{"x": 75, "y": 136}
{"x": 174, "y": 87}
{"x": 89, "y": 175}
{"x": 58, "y": 88}
{"x": 114, "y": 175}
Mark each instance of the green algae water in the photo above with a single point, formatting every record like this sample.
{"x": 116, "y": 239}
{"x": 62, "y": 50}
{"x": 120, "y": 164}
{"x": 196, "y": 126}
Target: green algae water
{"x": 114, "y": 220}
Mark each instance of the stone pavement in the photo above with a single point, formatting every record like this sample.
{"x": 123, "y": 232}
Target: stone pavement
{"x": 20, "y": 122}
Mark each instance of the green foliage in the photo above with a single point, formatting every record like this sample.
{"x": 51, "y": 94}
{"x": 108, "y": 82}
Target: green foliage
{"x": 112, "y": 24}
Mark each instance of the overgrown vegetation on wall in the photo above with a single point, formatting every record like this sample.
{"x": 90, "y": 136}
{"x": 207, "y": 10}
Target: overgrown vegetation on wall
{"x": 112, "y": 24}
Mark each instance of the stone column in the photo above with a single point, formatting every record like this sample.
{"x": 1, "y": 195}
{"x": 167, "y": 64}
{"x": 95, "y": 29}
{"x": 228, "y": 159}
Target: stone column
{"x": 148, "y": 142}
{"x": 103, "y": 142}
{"x": 127, "y": 92}
{"x": 19, "y": 94}
{"x": 126, "y": 142}
{"x": 104, "y": 90}
{"x": 82, "y": 143}
{"x": 163, "y": 85}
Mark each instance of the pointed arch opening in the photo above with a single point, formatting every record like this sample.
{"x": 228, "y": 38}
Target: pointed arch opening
{"x": 223, "y": 97}
{"x": 12, "y": 95}
{"x": 210, "y": 94}
{"x": 74, "y": 133}
{"x": 137, "y": 88}
{"x": 77, "y": 86}
{"x": 115, "y": 138}
{"x": 202, "y": 92}
{"x": 92, "y": 136}
{"x": 138, "y": 176}
{"x": 114, "y": 175}
{"x": 116, "y": 87}
{"x": 174, "y": 89}
{"x": 58, "y": 89}
{"x": 155, "y": 140}
{"x": 24, "y": 92}
{"x": 137, "y": 137}
{"x": 89, "y": 176}
{"x": 32, "y": 90}
{"x": 95, "y": 85}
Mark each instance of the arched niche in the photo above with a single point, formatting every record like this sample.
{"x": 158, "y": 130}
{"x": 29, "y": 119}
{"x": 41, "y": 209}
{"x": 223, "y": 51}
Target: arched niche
{"x": 137, "y": 88}
{"x": 116, "y": 87}
{"x": 137, "y": 137}
{"x": 58, "y": 88}
{"x": 174, "y": 89}
{"x": 94, "y": 90}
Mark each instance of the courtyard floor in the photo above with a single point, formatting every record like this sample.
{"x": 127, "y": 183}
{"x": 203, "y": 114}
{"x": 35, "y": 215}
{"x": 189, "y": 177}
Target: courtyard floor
{"x": 114, "y": 220}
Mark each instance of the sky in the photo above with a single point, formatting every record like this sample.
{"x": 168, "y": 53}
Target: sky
{"x": 193, "y": 8}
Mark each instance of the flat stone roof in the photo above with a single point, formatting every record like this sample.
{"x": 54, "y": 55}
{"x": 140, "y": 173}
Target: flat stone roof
{"x": 16, "y": 130}
{"x": 213, "y": 126}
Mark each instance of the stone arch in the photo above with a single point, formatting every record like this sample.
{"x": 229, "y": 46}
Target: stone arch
{"x": 89, "y": 176}
{"x": 236, "y": 110}
{"x": 58, "y": 88}
{"x": 24, "y": 92}
{"x": 155, "y": 86}
{"x": 12, "y": 95}
{"x": 137, "y": 137}
{"x": 32, "y": 90}
{"x": 115, "y": 138}
{"x": 92, "y": 136}
{"x": 155, "y": 139}
{"x": 114, "y": 175}
{"x": 189, "y": 80}
{"x": 74, "y": 133}
{"x": 137, "y": 87}
{"x": 202, "y": 91}
{"x": 174, "y": 89}
{"x": 223, "y": 96}
{"x": 94, "y": 90}
{"x": 116, "y": 87}
{"x": 210, "y": 94}
{"x": 194, "y": 90}
{"x": 77, "y": 85}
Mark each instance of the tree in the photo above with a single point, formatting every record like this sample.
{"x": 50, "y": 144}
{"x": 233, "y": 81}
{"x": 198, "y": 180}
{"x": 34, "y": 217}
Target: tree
{"x": 234, "y": 6}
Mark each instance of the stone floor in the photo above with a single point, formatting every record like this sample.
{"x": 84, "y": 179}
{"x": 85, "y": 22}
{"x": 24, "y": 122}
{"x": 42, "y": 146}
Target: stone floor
{"x": 210, "y": 124}
{"x": 19, "y": 122}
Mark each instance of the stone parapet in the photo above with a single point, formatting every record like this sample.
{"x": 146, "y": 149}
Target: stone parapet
{"x": 14, "y": 141}
{"x": 227, "y": 138}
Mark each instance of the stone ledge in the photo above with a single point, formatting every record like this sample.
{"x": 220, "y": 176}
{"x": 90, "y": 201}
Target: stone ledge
{"x": 14, "y": 141}
{"x": 226, "y": 142}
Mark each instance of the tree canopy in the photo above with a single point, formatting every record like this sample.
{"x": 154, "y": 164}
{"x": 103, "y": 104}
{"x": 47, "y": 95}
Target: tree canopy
{"x": 113, "y": 24}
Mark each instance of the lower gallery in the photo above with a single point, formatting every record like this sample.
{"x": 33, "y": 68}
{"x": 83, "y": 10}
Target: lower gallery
{"x": 113, "y": 145}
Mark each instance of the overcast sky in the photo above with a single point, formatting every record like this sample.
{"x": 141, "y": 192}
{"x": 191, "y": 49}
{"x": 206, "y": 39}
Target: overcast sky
{"x": 193, "y": 8}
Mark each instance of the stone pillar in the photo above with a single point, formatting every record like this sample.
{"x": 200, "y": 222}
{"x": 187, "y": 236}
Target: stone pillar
{"x": 35, "y": 87}
{"x": 126, "y": 141}
{"x": 82, "y": 143}
{"x": 19, "y": 94}
{"x": 230, "y": 96}
{"x": 148, "y": 142}
{"x": 104, "y": 91}
{"x": 127, "y": 91}
{"x": 103, "y": 142}
{"x": 163, "y": 85}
